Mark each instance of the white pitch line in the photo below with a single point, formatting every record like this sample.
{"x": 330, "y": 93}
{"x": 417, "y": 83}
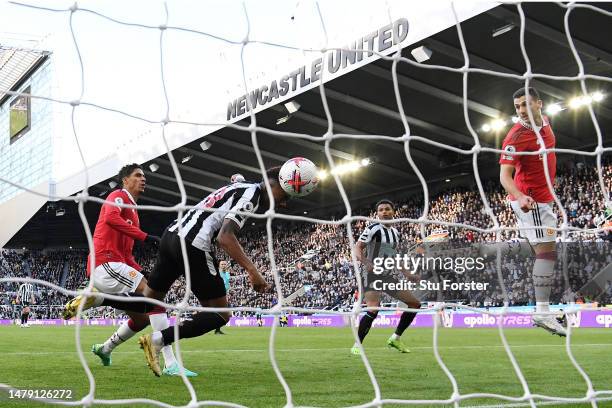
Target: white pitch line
{"x": 526, "y": 404}
{"x": 28, "y": 353}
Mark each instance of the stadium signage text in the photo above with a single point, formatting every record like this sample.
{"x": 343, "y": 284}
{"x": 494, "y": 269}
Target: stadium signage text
{"x": 488, "y": 320}
{"x": 333, "y": 61}
{"x": 604, "y": 320}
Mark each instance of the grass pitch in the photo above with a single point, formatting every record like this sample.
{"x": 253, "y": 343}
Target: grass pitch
{"x": 314, "y": 361}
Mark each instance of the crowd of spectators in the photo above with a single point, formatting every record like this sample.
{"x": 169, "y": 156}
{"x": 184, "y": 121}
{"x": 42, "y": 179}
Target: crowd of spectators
{"x": 318, "y": 256}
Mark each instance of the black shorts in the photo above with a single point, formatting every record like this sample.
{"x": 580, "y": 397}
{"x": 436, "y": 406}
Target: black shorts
{"x": 206, "y": 282}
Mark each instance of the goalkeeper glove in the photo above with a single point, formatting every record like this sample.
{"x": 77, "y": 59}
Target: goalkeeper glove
{"x": 152, "y": 239}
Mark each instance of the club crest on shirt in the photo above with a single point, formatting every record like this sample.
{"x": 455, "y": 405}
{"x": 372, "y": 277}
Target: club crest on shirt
{"x": 509, "y": 149}
{"x": 118, "y": 200}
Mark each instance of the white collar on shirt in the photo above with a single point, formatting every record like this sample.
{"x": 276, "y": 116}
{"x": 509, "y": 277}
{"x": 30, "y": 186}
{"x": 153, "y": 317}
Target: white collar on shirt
{"x": 129, "y": 196}
{"x": 528, "y": 124}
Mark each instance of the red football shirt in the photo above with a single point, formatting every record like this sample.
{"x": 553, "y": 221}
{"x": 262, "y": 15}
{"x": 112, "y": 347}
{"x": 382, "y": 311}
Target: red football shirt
{"x": 116, "y": 230}
{"x": 529, "y": 175}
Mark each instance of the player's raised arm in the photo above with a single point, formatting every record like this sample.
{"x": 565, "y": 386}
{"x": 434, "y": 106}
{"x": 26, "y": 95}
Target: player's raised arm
{"x": 229, "y": 243}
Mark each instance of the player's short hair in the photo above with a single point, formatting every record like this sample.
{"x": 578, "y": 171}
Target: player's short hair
{"x": 521, "y": 92}
{"x": 127, "y": 170}
{"x": 273, "y": 173}
{"x": 385, "y": 201}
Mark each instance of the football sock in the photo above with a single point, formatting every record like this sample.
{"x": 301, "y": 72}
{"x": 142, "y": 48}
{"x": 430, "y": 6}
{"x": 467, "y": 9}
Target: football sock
{"x": 200, "y": 324}
{"x": 405, "y": 321}
{"x": 365, "y": 324}
{"x": 126, "y": 331}
{"x": 159, "y": 322}
{"x": 513, "y": 247}
{"x": 543, "y": 270}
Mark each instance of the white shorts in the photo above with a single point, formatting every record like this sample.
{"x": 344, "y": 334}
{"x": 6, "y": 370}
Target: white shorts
{"x": 116, "y": 277}
{"x": 541, "y": 216}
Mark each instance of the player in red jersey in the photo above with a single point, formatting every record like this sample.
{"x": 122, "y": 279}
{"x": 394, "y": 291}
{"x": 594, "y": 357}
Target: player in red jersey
{"x": 117, "y": 272}
{"x": 530, "y": 197}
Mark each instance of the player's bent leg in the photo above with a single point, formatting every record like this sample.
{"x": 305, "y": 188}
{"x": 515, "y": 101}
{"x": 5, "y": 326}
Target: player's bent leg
{"x": 372, "y": 299}
{"x": 126, "y": 331}
{"x": 159, "y": 321}
{"x": 405, "y": 320}
{"x": 201, "y": 323}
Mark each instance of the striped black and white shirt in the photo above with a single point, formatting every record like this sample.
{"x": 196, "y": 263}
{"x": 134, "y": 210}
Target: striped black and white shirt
{"x": 382, "y": 241}
{"x": 25, "y": 293}
{"x": 200, "y": 228}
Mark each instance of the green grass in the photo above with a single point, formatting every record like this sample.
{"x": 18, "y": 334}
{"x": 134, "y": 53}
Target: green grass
{"x": 315, "y": 362}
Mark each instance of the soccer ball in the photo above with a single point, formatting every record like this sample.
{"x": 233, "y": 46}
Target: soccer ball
{"x": 298, "y": 177}
{"x": 237, "y": 178}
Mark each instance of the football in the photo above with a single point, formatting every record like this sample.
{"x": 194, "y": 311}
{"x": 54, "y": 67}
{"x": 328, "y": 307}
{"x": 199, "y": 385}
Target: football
{"x": 298, "y": 177}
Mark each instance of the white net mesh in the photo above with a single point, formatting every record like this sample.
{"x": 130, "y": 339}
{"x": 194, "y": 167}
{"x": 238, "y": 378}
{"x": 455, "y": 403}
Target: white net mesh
{"x": 528, "y": 398}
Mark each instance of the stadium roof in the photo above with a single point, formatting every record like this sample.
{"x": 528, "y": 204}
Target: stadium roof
{"x": 15, "y": 65}
{"x": 363, "y": 102}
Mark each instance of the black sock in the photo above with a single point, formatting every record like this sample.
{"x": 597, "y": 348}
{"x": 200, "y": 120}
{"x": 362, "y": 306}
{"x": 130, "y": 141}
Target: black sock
{"x": 134, "y": 306}
{"x": 200, "y": 324}
{"x": 365, "y": 323}
{"x": 405, "y": 320}
{"x": 25, "y": 318}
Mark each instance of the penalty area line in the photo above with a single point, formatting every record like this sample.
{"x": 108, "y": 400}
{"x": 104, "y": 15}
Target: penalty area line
{"x": 217, "y": 350}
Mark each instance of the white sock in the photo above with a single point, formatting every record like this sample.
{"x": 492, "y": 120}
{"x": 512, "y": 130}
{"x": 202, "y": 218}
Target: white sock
{"x": 395, "y": 337}
{"x": 157, "y": 339}
{"x": 512, "y": 247}
{"x": 122, "y": 334}
{"x": 160, "y": 322}
{"x": 542, "y": 306}
{"x": 543, "y": 271}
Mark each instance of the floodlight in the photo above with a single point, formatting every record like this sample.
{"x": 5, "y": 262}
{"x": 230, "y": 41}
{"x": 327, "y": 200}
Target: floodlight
{"x": 502, "y": 30}
{"x": 421, "y": 54}
{"x": 553, "y": 109}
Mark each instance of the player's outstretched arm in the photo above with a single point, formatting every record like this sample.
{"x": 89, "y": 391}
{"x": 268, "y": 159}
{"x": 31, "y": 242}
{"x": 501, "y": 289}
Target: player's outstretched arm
{"x": 229, "y": 243}
{"x": 506, "y": 179}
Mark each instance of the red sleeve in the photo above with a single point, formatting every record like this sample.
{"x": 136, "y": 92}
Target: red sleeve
{"x": 511, "y": 145}
{"x": 112, "y": 217}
